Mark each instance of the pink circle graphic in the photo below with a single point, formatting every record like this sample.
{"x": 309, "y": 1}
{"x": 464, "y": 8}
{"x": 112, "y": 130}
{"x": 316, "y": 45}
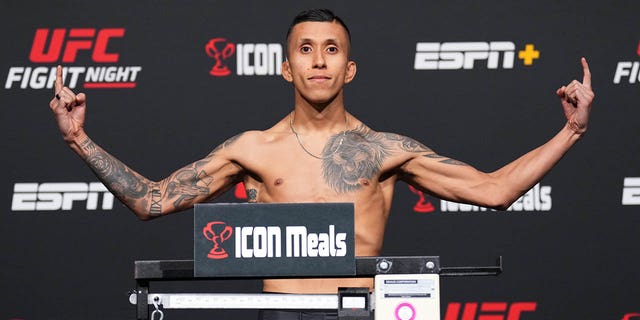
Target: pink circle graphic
{"x": 403, "y": 306}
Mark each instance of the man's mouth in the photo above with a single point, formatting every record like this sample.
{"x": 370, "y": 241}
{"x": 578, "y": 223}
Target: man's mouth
{"x": 319, "y": 78}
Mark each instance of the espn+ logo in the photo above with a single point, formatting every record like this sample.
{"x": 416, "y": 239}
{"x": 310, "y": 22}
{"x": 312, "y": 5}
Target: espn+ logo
{"x": 465, "y": 55}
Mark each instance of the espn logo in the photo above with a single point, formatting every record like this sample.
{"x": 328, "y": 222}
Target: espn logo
{"x": 55, "y": 196}
{"x": 631, "y": 191}
{"x": 463, "y": 55}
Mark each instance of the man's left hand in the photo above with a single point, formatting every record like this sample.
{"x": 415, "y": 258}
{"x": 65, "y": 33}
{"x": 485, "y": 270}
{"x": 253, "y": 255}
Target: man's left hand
{"x": 576, "y": 99}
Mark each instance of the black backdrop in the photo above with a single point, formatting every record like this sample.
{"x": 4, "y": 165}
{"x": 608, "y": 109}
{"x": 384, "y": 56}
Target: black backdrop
{"x": 574, "y": 251}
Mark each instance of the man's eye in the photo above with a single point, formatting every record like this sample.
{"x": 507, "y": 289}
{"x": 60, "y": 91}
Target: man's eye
{"x": 332, "y": 49}
{"x": 305, "y": 49}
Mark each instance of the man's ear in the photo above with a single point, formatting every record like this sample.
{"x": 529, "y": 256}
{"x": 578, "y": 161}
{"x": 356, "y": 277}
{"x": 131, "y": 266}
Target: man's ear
{"x": 286, "y": 71}
{"x": 351, "y": 71}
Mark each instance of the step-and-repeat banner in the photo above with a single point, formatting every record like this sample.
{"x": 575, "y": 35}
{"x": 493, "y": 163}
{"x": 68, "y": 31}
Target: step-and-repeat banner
{"x": 166, "y": 82}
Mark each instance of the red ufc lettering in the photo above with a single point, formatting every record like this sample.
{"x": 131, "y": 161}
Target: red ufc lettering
{"x": 78, "y": 39}
{"x": 630, "y": 316}
{"x": 638, "y": 48}
{"x": 488, "y": 310}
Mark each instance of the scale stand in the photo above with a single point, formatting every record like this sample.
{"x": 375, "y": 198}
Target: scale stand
{"x": 406, "y": 288}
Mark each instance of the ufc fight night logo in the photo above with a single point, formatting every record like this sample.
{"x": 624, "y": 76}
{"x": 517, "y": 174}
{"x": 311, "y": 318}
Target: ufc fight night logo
{"x": 66, "y": 47}
{"x": 469, "y": 55}
{"x": 628, "y": 71}
{"x": 251, "y": 59}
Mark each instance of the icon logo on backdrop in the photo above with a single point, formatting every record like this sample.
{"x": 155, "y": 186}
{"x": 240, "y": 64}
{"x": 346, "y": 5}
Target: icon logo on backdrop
{"x": 631, "y": 191}
{"x": 57, "y": 196}
{"x": 64, "y": 46}
{"x": 472, "y": 55}
{"x": 536, "y": 199}
{"x": 628, "y": 71}
{"x": 252, "y": 59}
{"x": 266, "y": 241}
{"x": 422, "y": 205}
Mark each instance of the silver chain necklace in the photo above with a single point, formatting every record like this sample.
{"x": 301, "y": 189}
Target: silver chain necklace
{"x": 344, "y": 134}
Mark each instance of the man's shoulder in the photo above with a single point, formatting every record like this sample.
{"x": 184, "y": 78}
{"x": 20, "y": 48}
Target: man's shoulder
{"x": 390, "y": 141}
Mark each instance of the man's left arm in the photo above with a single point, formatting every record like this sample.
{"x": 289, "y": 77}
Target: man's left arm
{"x": 456, "y": 181}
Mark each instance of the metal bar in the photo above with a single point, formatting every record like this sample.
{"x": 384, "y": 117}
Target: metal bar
{"x": 142, "y": 292}
{"x": 365, "y": 267}
{"x": 473, "y": 271}
{"x": 244, "y": 301}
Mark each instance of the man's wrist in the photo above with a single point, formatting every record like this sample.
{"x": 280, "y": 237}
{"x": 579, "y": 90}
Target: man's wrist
{"x": 75, "y": 137}
{"x": 574, "y": 131}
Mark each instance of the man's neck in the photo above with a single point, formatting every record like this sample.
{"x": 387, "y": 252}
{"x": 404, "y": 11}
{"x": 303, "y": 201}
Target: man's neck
{"x": 329, "y": 119}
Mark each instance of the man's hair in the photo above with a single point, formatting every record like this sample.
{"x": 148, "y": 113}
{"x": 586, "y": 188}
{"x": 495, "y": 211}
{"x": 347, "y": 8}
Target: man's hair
{"x": 316, "y": 15}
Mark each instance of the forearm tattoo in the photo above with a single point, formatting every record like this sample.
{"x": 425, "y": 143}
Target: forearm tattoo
{"x": 127, "y": 185}
{"x": 362, "y": 154}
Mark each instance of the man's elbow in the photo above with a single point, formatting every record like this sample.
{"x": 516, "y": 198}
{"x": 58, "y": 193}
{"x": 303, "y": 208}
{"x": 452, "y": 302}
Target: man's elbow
{"x": 144, "y": 216}
{"x": 501, "y": 202}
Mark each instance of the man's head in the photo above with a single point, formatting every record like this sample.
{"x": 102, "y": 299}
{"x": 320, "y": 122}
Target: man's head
{"x": 316, "y": 15}
{"x": 318, "y": 65}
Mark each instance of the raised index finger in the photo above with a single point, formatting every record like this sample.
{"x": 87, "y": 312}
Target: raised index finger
{"x": 58, "y": 83}
{"x": 586, "y": 79}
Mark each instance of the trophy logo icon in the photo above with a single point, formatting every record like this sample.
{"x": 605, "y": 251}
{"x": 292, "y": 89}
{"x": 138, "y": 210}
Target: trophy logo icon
{"x": 217, "y": 232}
{"x": 219, "y": 49}
{"x": 422, "y": 205}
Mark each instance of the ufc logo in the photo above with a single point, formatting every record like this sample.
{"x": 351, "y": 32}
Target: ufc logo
{"x": 488, "y": 310}
{"x": 631, "y": 316}
{"x": 76, "y": 39}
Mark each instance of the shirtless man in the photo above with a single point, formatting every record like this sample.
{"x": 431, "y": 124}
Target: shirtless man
{"x": 321, "y": 153}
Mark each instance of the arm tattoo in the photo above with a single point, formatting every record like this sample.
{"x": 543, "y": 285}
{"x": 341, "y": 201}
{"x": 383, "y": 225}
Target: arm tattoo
{"x": 252, "y": 195}
{"x": 407, "y": 144}
{"x": 188, "y": 183}
{"x": 446, "y": 160}
{"x": 156, "y": 206}
{"x": 227, "y": 143}
{"x": 125, "y": 183}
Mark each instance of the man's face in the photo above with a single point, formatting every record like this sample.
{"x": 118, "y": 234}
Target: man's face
{"x": 318, "y": 61}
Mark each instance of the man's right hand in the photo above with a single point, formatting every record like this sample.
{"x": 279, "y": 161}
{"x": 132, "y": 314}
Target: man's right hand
{"x": 68, "y": 108}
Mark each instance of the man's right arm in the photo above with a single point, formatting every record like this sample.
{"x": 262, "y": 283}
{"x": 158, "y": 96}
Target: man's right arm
{"x": 196, "y": 182}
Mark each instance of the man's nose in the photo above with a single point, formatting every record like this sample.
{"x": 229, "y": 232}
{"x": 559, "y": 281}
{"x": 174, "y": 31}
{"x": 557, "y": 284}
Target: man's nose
{"x": 318, "y": 60}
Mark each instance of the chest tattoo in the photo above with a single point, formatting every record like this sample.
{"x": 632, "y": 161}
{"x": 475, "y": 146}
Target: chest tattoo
{"x": 361, "y": 156}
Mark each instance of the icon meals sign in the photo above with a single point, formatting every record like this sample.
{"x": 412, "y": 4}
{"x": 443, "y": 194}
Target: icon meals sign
{"x": 273, "y": 239}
